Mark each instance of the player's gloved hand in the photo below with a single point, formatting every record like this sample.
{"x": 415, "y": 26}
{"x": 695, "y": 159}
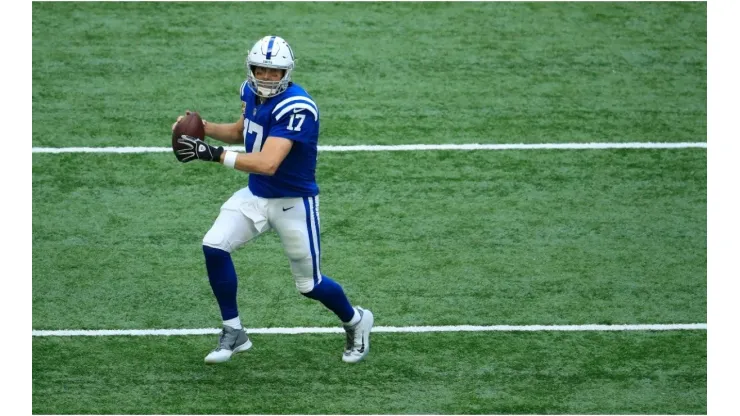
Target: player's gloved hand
{"x": 193, "y": 148}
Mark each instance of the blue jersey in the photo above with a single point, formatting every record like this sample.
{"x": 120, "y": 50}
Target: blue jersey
{"x": 291, "y": 115}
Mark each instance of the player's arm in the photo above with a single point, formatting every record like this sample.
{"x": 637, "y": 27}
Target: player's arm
{"x": 264, "y": 162}
{"x": 274, "y": 150}
{"x": 227, "y": 132}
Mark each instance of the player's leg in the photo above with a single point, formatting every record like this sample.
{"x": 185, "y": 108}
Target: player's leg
{"x": 238, "y": 222}
{"x": 296, "y": 220}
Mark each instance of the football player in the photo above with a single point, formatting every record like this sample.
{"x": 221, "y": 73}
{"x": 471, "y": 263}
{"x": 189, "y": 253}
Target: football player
{"x": 279, "y": 128}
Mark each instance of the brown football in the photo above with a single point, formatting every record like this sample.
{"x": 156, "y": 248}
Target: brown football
{"x": 191, "y": 125}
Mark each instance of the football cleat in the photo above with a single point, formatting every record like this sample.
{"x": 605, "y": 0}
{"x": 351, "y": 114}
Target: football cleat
{"x": 230, "y": 342}
{"x": 358, "y": 337}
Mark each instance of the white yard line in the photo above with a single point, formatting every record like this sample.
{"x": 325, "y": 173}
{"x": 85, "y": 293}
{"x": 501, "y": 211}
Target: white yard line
{"x": 402, "y": 147}
{"x": 396, "y": 329}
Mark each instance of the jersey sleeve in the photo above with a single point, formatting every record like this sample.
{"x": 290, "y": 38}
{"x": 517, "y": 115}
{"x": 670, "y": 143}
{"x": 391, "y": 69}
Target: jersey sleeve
{"x": 243, "y": 89}
{"x": 295, "y": 118}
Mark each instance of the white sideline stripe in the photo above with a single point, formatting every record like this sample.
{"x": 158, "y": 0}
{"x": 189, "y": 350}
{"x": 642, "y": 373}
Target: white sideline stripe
{"x": 402, "y": 147}
{"x": 396, "y": 329}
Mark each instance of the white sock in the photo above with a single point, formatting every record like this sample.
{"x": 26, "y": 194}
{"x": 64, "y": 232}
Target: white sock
{"x": 355, "y": 318}
{"x": 234, "y": 323}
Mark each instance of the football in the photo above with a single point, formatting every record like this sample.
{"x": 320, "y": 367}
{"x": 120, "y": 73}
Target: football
{"x": 191, "y": 125}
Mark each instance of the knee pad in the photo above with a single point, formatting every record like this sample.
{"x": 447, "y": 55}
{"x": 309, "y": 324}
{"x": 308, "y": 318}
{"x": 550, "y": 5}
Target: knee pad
{"x": 303, "y": 284}
{"x": 228, "y": 232}
{"x": 217, "y": 239}
{"x": 303, "y": 273}
{"x": 302, "y": 262}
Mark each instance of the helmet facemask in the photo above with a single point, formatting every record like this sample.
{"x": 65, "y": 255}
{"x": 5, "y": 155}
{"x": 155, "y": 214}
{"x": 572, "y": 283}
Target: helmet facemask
{"x": 267, "y": 89}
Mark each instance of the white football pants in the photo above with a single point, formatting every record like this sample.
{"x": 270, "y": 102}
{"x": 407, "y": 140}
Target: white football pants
{"x": 296, "y": 220}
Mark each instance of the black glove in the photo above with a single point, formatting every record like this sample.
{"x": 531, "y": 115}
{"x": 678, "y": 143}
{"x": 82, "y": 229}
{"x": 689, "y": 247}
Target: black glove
{"x": 192, "y": 148}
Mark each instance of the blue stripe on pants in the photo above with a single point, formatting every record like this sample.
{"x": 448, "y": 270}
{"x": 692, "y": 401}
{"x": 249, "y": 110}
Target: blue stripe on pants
{"x": 318, "y": 229}
{"x": 310, "y": 241}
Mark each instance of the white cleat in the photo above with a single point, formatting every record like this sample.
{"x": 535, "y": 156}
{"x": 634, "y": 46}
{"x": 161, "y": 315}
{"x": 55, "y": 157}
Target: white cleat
{"x": 358, "y": 337}
{"x": 230, "y": 342}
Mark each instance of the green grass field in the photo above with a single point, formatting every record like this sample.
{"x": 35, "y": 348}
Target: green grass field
{"x": 516, "y": 237}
